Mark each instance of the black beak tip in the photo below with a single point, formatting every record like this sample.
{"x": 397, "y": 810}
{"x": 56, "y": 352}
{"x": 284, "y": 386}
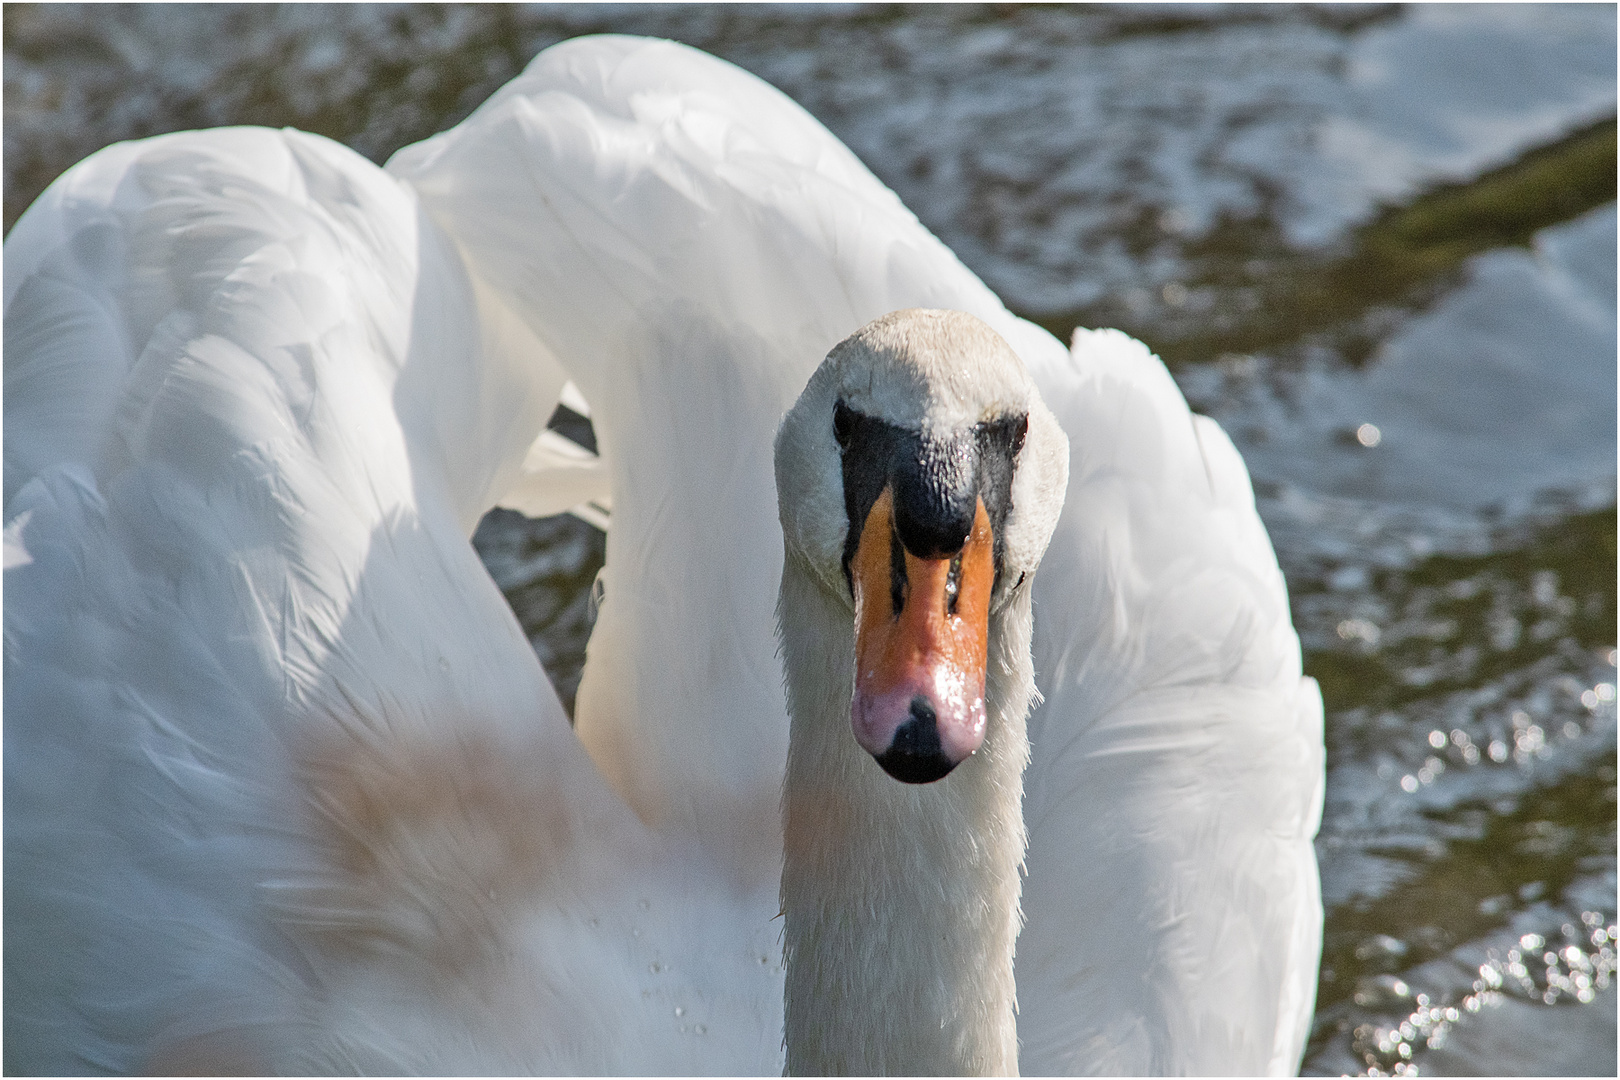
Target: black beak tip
{"x": 915, "y": 756}
{"x": 915, "y": 768}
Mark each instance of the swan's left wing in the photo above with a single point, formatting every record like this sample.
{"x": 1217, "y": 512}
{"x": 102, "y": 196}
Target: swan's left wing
{"x": 1172, "y": 905}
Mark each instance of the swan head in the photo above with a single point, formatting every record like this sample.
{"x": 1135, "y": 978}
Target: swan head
{"x": 919, "y": 477}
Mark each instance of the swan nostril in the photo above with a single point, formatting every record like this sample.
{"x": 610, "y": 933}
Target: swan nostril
{"x": 916, "y": 756}
{"x": 922, "y": 716}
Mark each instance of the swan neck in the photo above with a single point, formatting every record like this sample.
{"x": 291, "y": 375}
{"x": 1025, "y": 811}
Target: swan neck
{"x": 900, "y": 901}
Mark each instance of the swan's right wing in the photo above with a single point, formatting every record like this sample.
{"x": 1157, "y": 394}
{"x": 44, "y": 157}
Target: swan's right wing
{"x": 1172, "y": 904}
{"x": 286, "y": 789}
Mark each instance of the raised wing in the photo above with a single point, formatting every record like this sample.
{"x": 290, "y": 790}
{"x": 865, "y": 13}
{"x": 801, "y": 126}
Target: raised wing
{"x": 229, "y": 503}
{"x": 286, "y": 789}
{"x": 1172, "y": 903}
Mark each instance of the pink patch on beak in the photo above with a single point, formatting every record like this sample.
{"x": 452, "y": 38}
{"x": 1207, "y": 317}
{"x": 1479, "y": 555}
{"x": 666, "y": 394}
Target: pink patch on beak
{"x": 928, "y": 688}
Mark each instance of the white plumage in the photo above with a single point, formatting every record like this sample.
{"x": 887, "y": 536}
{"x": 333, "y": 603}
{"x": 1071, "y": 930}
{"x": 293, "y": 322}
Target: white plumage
{"x": 286, "y": 789}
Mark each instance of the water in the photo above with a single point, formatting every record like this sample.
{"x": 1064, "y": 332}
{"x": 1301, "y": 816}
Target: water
{"x": 1377, "y": 243}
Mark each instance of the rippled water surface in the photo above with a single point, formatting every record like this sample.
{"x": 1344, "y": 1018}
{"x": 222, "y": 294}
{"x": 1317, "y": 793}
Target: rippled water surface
{"x": 1377, "y": 243}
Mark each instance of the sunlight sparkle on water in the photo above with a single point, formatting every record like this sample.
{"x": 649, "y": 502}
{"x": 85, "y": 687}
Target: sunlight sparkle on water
{"x": 1533, "y": 969}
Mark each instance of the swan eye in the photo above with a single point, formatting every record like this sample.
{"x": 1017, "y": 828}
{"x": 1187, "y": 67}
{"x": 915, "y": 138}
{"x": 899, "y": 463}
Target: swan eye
{"x": 843, "y": 423}
{"x": 1019, "y": 430}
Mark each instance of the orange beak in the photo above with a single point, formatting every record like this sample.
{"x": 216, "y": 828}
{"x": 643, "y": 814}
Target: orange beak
{"x": 922, "y": 631}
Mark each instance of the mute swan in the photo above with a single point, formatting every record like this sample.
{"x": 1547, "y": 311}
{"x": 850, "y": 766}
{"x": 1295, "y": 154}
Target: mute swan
{"x": 286, "y": 789}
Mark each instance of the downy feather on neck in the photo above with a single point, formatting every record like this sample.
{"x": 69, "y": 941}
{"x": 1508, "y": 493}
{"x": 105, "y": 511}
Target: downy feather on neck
{"x": 900, "y": 901}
